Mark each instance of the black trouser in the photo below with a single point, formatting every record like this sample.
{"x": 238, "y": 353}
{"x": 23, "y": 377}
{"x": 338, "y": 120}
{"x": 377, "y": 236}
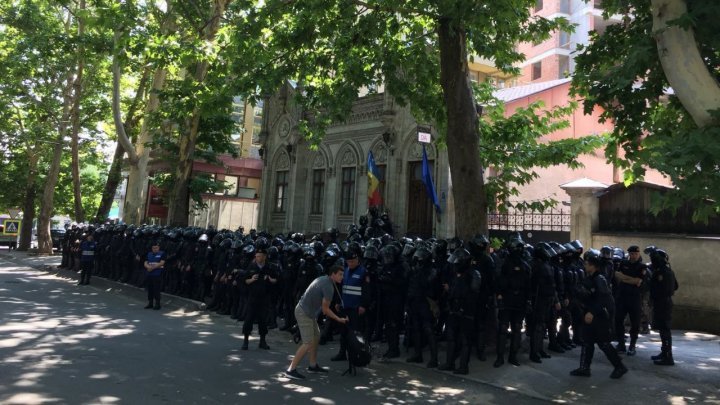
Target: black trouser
{"x": 421, "y": 322}
{"x": 513, "y": 318}
{"x": 393, "y": 306}
{"x": 86, "y": 271}
{"x": 540, "y": 313}
{"x": 459, "y": 339}
{"x": 632, "y": 306}
{"x": 662, "y": 322}
{"x": 485, "y": 323}
{"x": 288, "y": 306}
{"x": 154, "y": 285}
{"x": 256, "y": 312}
{"x": 598, "y": 332}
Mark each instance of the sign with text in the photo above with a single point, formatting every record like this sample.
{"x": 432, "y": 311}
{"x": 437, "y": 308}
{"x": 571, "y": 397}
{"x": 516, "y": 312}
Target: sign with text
{"x": 424, "y": 137}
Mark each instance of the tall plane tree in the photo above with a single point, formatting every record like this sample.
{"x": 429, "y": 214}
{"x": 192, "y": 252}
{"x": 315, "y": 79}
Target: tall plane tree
{"x": 418, "y": 50}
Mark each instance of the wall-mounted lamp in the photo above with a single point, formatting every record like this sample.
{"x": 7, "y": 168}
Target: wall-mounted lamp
{"x": 261, "y": 152}
{"x": 289, "y": 148}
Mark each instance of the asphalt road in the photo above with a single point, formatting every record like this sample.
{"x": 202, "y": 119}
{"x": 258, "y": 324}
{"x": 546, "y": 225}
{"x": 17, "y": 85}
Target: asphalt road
{"x": 62, "y": 343}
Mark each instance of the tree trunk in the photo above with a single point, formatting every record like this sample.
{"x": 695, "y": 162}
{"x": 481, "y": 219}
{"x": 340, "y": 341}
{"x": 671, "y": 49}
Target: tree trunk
{"x": 134, "y": 211}
{"x": 462, "y": 133}
{"x": 29, "y": 203}
{"x": 75, "y": 118}
{"x": 684, "y": 67}
{"x": 179, "y": 201}
{"x": 47, "y": 204}
{"x": 115, "y": 173}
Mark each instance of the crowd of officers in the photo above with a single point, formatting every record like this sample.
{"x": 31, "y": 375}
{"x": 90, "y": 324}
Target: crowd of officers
{"x": 462, "y": 292}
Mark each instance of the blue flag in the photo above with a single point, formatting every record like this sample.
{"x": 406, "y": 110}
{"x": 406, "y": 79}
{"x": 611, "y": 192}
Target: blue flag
{"x": 427, "y": 180}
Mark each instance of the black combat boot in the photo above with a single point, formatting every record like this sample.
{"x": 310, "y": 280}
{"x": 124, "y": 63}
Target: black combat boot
{"x": 263, "y": 345}
{"x": 586, "y": 355}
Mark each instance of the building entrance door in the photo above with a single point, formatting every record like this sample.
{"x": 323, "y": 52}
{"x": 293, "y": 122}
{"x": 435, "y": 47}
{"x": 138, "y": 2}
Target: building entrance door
{"x": 419, "y": 213}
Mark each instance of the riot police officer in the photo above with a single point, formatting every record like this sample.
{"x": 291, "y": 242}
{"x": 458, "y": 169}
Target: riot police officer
{"x": 663, "y": 285}
{"x": 513, "y": 298}
{"x": 391, "y": 280}
{"x": 598, "y": 306}
{"x": 628, "y": 296}
{"x": 463, "y": 294}
{"x": 544, "y": 298}
{"x": 422, "y": 290}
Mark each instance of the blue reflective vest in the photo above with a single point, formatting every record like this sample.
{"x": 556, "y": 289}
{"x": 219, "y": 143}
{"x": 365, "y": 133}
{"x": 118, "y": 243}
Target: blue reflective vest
{"x": 352, "y": 286}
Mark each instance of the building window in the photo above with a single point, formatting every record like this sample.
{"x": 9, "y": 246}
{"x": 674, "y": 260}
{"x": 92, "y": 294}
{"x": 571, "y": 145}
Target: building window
{"x": 538, "y": 5}
{"x": 564, "y": 67}
{"x": 281, "y": 189}
{"x": 257, "y": 118}
{"x": 318, "y": 192}
{"x": 564, "y": 40}
{"x": 536, "y": 70}
{"x": 347, "y": 194}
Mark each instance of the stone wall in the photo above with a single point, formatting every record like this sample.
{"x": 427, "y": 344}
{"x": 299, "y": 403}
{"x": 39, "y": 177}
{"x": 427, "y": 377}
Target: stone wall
{"x": 696, "y": 263}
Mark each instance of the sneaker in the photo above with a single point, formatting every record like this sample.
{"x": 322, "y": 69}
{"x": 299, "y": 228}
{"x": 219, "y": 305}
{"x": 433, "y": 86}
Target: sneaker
{"x": 316, "y": 369}
{"x": 294, "y": 375}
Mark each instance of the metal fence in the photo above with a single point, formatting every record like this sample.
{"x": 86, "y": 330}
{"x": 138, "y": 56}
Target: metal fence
{"x": 520, "y": 220}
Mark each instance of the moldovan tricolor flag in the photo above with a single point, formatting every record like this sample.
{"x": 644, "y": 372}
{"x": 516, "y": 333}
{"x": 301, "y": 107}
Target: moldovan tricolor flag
{"x": 374, "y": 198}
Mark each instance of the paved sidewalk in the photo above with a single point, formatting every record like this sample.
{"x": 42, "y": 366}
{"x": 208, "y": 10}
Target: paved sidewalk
{"x": 694, "y": 379}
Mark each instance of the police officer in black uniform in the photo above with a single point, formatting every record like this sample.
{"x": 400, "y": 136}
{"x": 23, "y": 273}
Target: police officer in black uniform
{"x": 392, "y": 282}
{"x": 486, "y": 316}
{"x": 628, "y": 298}
{"x": 258, "y": 277}
{"x": 545, "y": 298}
{"x": 663, "y": 285}
{"x": 513, "y": 299}
{"x": 598, "y": 306}
{"x": 422, "y": 290}
{"x": 463, "y": 295}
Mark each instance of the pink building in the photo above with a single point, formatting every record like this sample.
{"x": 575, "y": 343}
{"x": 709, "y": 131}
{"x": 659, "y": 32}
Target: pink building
{"x": 545, "y": 76}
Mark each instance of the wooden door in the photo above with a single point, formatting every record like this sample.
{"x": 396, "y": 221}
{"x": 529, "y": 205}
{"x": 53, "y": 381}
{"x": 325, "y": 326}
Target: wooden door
{"x": 419, "y": 213}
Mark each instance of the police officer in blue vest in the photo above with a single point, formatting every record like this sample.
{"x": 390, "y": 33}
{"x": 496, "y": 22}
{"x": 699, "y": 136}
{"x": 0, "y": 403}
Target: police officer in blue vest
{"x": 354, "y": 302}
{"x": 154, "y": 264}
{"x": 87, "y": 259}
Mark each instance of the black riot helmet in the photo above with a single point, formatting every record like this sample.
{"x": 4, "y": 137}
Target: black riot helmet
{"x": 593, "y": 256}
{"x": 354, "y": 251}
{"x": 261, "y": 245}
{"x": 319, "y": 247}
{"x": 478, "y": 244}
{"x": 578, "y": 246}
{"x": 371, "y": 253}
{"x": 659, "y": 257}
{"x": 333, "y": 233}
{"x": 422, "y": 256}
{"x": 460, "y": 259}
{"x": 606, "y": 252}
{"x": 226, "y": 243}
{"x": 454, "y": 243}
{"x": 273, "y": 254}
{"x": 363, "y": 220}
{"x": 440, "y": 249}
{"x": 516, "y": 246}
{"x": 408, "y": 250}
{"x": 298, "y": 237}
{"x": 389, "y": 254}
{"x": 249, "y": 250}
{"x": 544, "y": 251}
{"x": 308, "y": 252}
{"x": 648, "y": 250}
{"x": 293, "y": 250}
{"x": 618, "y": 254}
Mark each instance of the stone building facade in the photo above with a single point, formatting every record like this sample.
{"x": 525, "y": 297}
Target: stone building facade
{"x": 309, "y": 189}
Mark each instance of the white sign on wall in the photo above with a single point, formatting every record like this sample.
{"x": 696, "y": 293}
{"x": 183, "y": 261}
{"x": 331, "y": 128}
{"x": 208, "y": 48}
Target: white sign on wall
{"x": 424, "y": 137}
